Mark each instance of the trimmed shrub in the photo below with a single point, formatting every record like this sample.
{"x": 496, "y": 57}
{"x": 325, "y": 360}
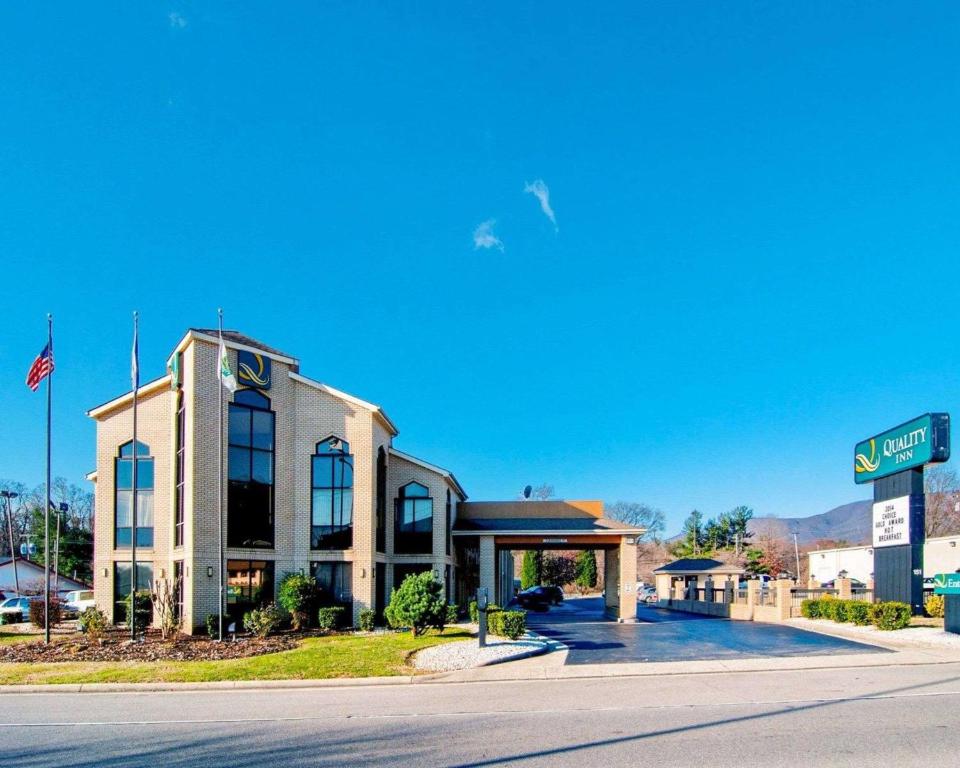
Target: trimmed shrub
{"x": 934, "y": 606}
{"x": 858, "y": 612}
{"x": 474, "y": 612}
{"x": 11, "y": 618}
{"x": 93, "y": 623}
{"x": 838, "y": 610}
{"x": 453, "y": 614}
{"x": 298, "y": 596}
{"x": 890, "y": 615}
{"x": 810, "y": 609}
{"x": 331, "y": 617}
{"x": 213, "y": 625}
{"x": 262, "y": 621}
{"x": 36, "y": 612}
{"x": 511, "y": 624}
{"x": 144, "y": 608}
{"x": 418, "y": 604}
{"x": 367, "y": 619}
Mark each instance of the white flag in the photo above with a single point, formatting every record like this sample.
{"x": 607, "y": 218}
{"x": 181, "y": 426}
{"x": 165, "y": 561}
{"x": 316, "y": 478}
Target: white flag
{"x": 223, "y": 370}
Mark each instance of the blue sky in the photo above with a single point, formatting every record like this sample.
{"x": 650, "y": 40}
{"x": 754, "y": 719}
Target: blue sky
{"x": 753, "y": 262}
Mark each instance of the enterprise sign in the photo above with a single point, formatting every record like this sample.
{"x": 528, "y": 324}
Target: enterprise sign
{"x": 891, "y": 522}
{"x": 923, "y": 440}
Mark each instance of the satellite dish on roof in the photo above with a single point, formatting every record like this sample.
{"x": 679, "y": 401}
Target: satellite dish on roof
{"x": 527, "y": 491}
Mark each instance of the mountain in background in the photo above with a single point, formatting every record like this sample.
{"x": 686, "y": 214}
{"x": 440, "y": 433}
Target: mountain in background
{"x": 848, "y": 522}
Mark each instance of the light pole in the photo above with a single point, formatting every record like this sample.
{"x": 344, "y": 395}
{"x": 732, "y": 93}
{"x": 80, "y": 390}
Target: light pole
{"x": 13, "y": 555}
{"x": 796, "y": 552}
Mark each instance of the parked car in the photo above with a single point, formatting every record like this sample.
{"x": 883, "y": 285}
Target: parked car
{"x": 556, "y": 593}
{"x": 647, "y": 594}
{"x": 16, "y": 605}
{"x": 77, "y": 601}
{"x": 537, "y": 598}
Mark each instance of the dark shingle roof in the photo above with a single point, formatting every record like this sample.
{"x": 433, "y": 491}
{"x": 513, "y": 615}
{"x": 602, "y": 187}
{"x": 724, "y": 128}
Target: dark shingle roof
{"x": 697, "y": 564}
{"x": 238, "y": 338}
{"x": 584, "y": 524}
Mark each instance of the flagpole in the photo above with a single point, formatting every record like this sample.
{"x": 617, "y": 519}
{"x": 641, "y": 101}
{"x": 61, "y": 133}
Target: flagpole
{"x": 46, "y": 507}
{"x": 220, "y": 474}
{"x": 135, "y": 381}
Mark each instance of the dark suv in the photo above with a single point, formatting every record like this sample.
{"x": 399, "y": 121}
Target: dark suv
{"x": 540, "y": 598}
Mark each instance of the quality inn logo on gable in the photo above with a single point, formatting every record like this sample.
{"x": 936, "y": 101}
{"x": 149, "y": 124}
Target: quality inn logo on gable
{"x": 920, "y": 441}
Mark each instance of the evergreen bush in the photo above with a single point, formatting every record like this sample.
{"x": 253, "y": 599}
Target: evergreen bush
{"x": 298, "y": 595}
{"x": 418, "y": 604}
{"x": 367, "y": 619}
{"x": 858, "y": 612}
{"x": 262, "y": 621}
{"x": 810, "y": 609}
{"x": 93, "y": 623}
{"x": 331, "y": 617}
{"x": 890, "y": 615}
{"x": 510, "y": 624}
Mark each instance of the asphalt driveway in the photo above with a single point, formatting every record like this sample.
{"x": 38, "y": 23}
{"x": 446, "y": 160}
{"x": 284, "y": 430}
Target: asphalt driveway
{"x": 662, "y": 635}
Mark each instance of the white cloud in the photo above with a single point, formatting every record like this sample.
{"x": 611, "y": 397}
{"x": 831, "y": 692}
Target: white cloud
{"x": 483, "y": 236}
{"x": 177, "y": 20}
{"x": 541, "y": 191}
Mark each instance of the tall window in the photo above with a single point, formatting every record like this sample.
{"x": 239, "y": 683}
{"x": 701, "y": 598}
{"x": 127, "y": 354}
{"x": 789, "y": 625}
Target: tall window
{"x": 121, "y": 586}
{"x": 331, "y": 504}
{"x": 249, "y": 585}
{"x": 381, "y": 500}
{"x": 414, "y": 534}
{"x": 250, "y": 471}
{"x": 123, "y": 503}
{"x": 335, "y": 581}
{"x": 449, "y": 520}
{"x": 178, "y": 589}
{"x": 180, "y": 470}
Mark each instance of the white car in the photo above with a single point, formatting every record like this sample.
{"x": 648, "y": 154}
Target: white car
{"x": 78, "y": 601}
{"x": 17, "y": 605}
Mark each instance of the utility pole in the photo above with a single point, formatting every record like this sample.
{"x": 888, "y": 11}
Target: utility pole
{"x": 796, "y": 552}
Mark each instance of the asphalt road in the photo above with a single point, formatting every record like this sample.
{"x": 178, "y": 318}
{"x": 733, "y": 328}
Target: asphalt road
{"x": 662, "y": 635}
{"x": 881, "y": 716}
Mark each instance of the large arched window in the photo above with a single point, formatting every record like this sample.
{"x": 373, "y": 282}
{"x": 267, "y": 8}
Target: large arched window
{"x": 123, "y": 502}
{"x": 414, "y": 528}
{"x": 331, "y": 504}
{"x": 250, "y": 470}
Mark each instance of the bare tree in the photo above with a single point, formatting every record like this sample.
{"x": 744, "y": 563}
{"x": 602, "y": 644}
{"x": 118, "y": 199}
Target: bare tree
{"x": 640, "y": 515}
{"x": 164, "y": 596}
{"x": 942, "y": 489}
{"x": 543, "y": 492}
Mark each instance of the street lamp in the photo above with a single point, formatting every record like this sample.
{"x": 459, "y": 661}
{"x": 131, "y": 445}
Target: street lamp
{"x": 13, "y": 555}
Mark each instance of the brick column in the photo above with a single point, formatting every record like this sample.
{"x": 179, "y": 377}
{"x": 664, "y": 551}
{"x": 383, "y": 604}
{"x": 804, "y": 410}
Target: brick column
{"x": 488, "y": 567}
{"x": 784, "y": 597}
{"x": 611, "y": 579}
{"x": 753, "y": 587}
{"x": 844, "y": 588}
{"x": 628, "y": 580}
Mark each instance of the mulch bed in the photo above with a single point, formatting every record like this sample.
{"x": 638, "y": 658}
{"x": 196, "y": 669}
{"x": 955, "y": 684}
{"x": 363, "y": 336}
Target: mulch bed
{"x": 117, "y": 647}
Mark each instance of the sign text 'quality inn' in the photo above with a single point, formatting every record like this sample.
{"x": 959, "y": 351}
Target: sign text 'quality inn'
{"x": 920, "y": 441}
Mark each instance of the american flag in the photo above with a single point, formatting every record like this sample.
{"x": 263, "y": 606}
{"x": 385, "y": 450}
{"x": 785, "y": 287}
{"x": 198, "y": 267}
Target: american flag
{"x": 41, "y": 368}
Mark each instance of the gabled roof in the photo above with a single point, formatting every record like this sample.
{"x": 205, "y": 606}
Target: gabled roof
{"x": 688, "y": 565}
{"x": 446, "y": 473}
{"x": 235, "y": 337}
{"x": 150, "y": 388}
{"x": 378, "y": 411}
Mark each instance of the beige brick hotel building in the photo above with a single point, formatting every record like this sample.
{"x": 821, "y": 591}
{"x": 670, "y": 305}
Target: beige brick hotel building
{"x": 311, "y": 484}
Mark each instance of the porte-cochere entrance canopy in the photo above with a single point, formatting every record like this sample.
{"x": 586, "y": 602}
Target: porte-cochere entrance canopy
{"x": 487, "y": 531}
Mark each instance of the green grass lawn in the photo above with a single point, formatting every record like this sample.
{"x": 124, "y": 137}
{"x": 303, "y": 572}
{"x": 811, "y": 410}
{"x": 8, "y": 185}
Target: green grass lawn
{"x": 317, "y": 658}
{"x": 6, "y": 638}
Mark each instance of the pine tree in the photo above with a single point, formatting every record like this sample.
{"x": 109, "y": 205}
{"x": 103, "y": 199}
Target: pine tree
{"x": 586, "y": 570}
{"x": 531, "y": 573}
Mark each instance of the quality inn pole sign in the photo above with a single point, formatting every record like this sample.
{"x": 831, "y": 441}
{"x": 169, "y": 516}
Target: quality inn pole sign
{"x": 923, "y": 440}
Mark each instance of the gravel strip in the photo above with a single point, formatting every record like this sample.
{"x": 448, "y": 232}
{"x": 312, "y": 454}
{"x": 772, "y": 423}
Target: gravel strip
{"x": 465, "y": 654}
{"x": 918, "y": 636}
